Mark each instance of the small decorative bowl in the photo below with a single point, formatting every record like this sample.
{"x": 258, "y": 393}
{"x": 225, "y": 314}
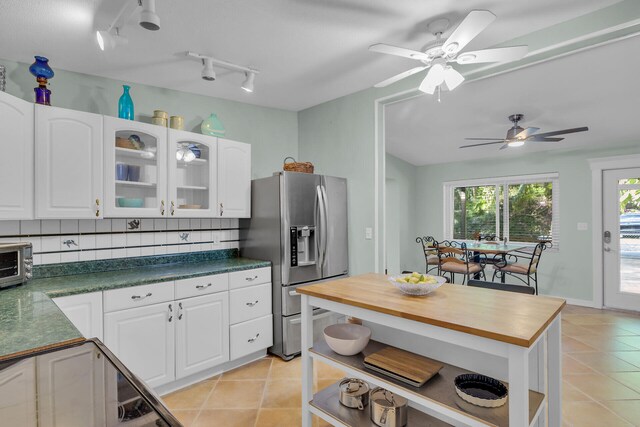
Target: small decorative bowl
{"x": 126, "y": 202}
{"x": 417, "y": 289}
{"x": 481, "y": 390}
{"x": 347, "y": 339}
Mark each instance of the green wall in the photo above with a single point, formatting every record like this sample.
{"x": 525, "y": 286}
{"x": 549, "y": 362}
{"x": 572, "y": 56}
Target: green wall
{"x": 402, "y": 212}
{"x": 272, "y": 133}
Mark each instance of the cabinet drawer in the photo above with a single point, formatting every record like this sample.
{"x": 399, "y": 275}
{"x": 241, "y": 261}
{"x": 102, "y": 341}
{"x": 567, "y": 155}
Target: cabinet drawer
{"x": 257, "y": 276}
{"x": 251, "y": 336}
{"x": 204, "y": 285}
{"x": 250, "y": 303}
{"x": 137, "y": 296}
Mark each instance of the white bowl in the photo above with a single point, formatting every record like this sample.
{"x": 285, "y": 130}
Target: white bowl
{"x": 347, "y": 339}
{"x": 417, "y": 289}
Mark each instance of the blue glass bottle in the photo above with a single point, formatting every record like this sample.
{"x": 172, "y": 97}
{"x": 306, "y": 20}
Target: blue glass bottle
{"x": 125, "y": 105}
{"x": 41, "y": 70}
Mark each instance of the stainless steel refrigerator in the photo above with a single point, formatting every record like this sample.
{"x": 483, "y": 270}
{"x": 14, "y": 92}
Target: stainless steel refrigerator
{"x": 299, "y": 223}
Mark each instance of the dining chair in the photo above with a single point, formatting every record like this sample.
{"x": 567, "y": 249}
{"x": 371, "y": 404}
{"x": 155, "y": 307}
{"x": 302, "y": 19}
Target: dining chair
{"x": 455, "y": 258}
{"x": 522, "y": 265}
{"x": 501, "y": 286}
{"x": 429, "y": 248}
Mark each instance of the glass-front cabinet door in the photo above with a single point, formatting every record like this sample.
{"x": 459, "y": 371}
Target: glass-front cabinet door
{"x": 192, "y": 160}
{"x": 135, "y": 169}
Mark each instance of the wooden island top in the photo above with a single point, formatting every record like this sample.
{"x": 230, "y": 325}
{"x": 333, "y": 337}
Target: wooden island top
{"x": 502, "y": 316}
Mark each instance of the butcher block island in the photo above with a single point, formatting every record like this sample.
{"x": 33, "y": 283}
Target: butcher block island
{"x": 512, "y": 337}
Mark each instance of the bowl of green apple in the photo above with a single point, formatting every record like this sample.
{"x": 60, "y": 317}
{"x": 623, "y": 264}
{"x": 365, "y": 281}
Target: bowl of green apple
{"x": 417, "y": 284}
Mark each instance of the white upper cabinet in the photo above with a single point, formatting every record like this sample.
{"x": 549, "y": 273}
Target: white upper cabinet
{"x": 234, "y": 179}
{"x": 193, "y": 182}
{"x": 68, "y": 163}
{"x": 16, "y": 158}
{"x": 135, "y": 162}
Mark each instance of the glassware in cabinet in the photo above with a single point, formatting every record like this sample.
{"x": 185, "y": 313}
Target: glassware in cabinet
{"x": 135, "y": 168}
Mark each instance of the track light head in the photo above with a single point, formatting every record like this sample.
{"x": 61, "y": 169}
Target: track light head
{"x": 247, "y": 85}
{"x": 110, "y": 39}
{"x": 148, "y": 18}
{"x": 208, "y": 72}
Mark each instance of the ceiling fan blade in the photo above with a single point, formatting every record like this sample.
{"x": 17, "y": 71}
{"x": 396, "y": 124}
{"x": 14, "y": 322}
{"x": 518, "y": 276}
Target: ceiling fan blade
{"x": 563, "y": 132}
{"x": 484, "y": 143}
{"x": 398, "y": 51}
{"x": 504, "y": 146}
{"x": 499, "y": 54}
{"x": 528, "y": 132}
{"x": 433, "y": 79}
{"x": 541, "y": 139}
{"x": 400, "y": 76}
{"x": 469, "y": 28}
{"x": 482, "y": 139}
{"x": 452, "y": 78}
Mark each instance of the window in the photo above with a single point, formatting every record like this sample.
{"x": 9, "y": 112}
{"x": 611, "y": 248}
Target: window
{"x": 523, "y": 209}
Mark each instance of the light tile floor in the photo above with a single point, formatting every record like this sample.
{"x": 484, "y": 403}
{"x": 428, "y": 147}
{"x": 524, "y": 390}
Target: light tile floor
{"x": 601, "y": 381}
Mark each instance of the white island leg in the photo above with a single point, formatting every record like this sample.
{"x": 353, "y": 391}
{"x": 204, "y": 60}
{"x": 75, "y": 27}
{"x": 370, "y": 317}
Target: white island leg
{"x": 307, "y": 362}
{"x": 554, "y": 349}
{"x": 518, "y": 386}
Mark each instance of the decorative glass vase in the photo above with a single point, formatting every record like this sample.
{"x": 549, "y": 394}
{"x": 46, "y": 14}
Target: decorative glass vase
{"x": 125, "y": 104}
{"x": 212, "y": 126}
{"x": 41, "y": 70}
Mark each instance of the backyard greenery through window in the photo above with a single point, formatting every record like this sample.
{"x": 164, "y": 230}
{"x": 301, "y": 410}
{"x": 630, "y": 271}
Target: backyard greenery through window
{"x": 520, "y": 209}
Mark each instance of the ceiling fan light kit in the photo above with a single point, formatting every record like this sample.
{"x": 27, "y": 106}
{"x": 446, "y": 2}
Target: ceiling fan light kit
{"x": 518, "y": 136}
{"x": 437, "y": 53}
{"x": 209, "y": 74}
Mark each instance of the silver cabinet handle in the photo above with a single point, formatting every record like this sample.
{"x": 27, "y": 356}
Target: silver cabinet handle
{"x": 179, "y": 311}
{"x": 203, "y": 286}
{"x": 141, "y": 297}
{"x": 254, "y": 338}
{"x": 251, "y": 279}
{"x": 170, "y": 312}
{"x": 221, "y": 209}
{"x": 162, "y": 207}
{"x": 251, "y": 304}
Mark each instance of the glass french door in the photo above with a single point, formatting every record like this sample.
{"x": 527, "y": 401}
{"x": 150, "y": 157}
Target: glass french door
{"x": 621, "y": 238}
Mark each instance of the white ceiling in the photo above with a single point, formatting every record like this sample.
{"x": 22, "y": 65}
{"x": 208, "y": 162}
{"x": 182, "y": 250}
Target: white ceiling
{"x": 598, "y": 88}
{"x": 309, "y": 51}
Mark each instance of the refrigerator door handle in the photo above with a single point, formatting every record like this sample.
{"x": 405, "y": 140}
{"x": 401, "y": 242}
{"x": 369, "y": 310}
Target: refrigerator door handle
{"x": 325, "y": 225}
{"x": 320, "y": 245}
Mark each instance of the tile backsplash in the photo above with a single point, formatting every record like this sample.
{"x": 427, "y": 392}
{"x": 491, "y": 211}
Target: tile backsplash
{"x": 70, "y": 240}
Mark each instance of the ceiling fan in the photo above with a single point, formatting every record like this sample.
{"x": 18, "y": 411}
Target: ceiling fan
{"x": 439, "y": 52}
{"x": 517, "y": 136}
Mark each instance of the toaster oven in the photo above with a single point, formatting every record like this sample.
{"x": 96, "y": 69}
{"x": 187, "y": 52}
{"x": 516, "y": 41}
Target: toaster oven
{"x": 16, "y": 263}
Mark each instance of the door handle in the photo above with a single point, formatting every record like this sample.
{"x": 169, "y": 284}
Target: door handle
{"x": 203, "y": 286}
{"x": 170, "y": 312}
{"x": 180, "y": 311}
{"x": 254, "y": 338}
{"x": 251, "y": 279}
{"x": 251, "y": 304}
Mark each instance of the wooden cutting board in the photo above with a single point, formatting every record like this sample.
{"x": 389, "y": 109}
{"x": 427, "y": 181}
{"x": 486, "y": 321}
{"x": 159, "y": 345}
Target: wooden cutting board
{"x": 403, "y": 365}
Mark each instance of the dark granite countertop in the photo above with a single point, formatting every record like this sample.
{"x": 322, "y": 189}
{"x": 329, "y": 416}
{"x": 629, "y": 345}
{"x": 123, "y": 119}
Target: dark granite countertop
{"x": 29, "y": 319}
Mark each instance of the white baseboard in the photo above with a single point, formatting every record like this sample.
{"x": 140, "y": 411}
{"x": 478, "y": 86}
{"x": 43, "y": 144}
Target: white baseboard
{"x": 580, "y": 302}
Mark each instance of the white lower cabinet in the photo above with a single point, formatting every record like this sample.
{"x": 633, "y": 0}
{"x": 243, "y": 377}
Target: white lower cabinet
{"x": 71, "y": 388}
{"x": 18, "y": 394}
{"x": 202, "y": 333}
{"x": 84, "y": 311}
{"x": 143, "y": 339}
{"x": 251, "y": 336}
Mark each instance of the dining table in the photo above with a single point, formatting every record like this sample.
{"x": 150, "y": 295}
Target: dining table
{"x": 499, "y": 250}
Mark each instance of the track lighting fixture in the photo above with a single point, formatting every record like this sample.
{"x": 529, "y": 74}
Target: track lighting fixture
{"x": 149, "y": 19}
{"x": 209, "y": 74}
{"x": 110, "y": 38}
{"x": 247, "y": 85}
